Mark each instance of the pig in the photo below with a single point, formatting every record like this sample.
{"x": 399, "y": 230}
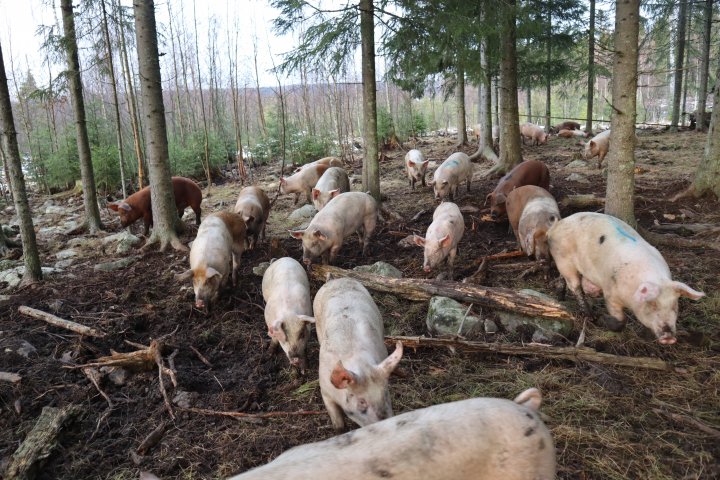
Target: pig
{"x": 344, "y": 215}
{"x": 354, "y": 365}
{"x": 571, "y": 133}
{"x": 529, "y": 172}
{"x": 477, "y": 438}
{"x": 137, "y": 205}
{"x": 567, "y": 125}
{"x": 302, "y": 181}
{"x": 327, "y": 161}
{"x": 533, "y": 132}
{"x": 598, "y": 146}
{"x": 532, "y": 210}
{"x": 253, "y": 205}
{"x": 416, "y": 167}
{"x": 477, "y": 131}
{"x": 454, "y": 170}
{"x": 600, "y": 254}
{"x": 220, "y": 240}
{"x": 442, "y": 237}
{"x": 332, "y": 183}
{"x": 288, "y": 308}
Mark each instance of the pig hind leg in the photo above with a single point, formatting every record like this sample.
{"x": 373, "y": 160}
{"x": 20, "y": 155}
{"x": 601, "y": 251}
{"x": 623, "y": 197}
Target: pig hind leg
{"x": 197, "y": 211}
{"x": 368, "y": 228}
{"x": 423, "y": 181}
{"x": 573, "y": 281}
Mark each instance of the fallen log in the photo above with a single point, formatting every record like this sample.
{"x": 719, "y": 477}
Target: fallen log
{"x": 36, "y": 448}
{"x": 423, "y": 289}
{"x": 60, "y": 322}
{"x": 582, "y": 201}
{"x": 575, "y": 354}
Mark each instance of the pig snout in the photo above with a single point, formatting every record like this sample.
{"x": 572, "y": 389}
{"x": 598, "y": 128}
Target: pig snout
{"x": 426, "y": 268}
{"x": 666, "y": 336}
{"x": 493, "y": 214}
{"x": 199, "y": 303}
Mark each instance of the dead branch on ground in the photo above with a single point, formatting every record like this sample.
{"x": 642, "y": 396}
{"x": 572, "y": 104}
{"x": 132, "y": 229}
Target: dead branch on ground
{"x": 60, "y": 322}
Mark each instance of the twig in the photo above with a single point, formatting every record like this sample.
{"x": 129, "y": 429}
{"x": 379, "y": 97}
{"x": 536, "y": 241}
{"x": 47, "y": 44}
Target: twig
{"x": 688, "y": 420}
{"x": 94, "y": 376}
{"x": 151, "y": 439}
{"x": 217, "y": 413}
{"x": 459, "y": 332}
{"x": 201, "y": 357}
{"x": 162, "y": 369}
{"x": 59, "y": 322}
{"x": 500, "y": 256}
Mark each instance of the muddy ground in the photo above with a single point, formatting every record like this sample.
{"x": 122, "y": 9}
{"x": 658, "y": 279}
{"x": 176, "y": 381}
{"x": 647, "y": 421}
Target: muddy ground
{"x": 608, "y": 422}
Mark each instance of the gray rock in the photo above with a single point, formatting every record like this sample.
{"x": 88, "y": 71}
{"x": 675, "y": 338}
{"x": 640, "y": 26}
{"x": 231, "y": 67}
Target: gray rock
{"x": 123, "y": 241}
{"x": 511, "y": 320}
{"x": 10, "y": 231}
{"x": 67, "y": 253}
{"x": 380, "y": 268}
{"x": 83, "y": 242}
{"x": 12, "y": 277}
{"x": 5, "y": 299}
{"x": 184, "y": 399}
{"x": 26, "y": 349}
{"x": 7, "y": 264}
{"x": 260, "y": 268}
{"x": 64, "y": 263}
{"x": 576, "y": 177}
{"x": 445, "y": 316}
{"x": 407, "y": 242}
{"x": 577, "y": 164}
{"x": 116, "y": 375}
{"x": 490, "y": 326}
{"x": 116, "y": 265}
{"x": 55, "y": 210}
{"x": 306, "y": 211}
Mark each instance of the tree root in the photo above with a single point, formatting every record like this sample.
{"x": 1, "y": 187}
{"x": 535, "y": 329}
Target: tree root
{"x": 668, "y": 240}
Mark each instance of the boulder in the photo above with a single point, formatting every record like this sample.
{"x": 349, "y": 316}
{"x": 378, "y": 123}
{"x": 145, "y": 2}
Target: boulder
{"x": 445, "y": 316}
{"x": 260, "y": 268}
{"x": 577, "y": 164}
{"x": 511, "y": 320}
{"x": 116, "y": 265}
{"x": 122, "y": 241}
{"x": 67, "y": 253}
{"x": 380, "y": 268}
{"x": 576, "y": 177}
{"x": 304, "y": 212}
{"x": 407, "y": 242}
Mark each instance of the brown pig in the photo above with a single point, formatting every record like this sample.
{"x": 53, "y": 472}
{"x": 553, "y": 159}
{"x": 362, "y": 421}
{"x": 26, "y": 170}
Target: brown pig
{"x": 302, "y": 181}
{"x": 253, "y": 205}
{"x": 220, "y": 241}
{"x": 450, "y": 174}
{"x": 529, "y": 172}
{"x": 600, "y": 254}
{"x": 531, "y": 211}
{"x": 571, "y": 133}
{"x": 598, "y": 146}
{"x": 416, "y": 167}
{"x": 533, "y": 132}
{"x": 137, "y": 205}
{"x": 332, "y": 183}
{"x": 348, "y": 213}
{"x": 567, "y": 125}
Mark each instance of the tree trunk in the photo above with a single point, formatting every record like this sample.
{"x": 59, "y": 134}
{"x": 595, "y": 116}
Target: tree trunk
{"x": 621, "y": 158}
{"x": 370, "y": 161}
{"x": 261, "y": 113}
{"x": 591, "y": 69}
{"x": 31, "y": 258}
{"x": 494, "y": 97}
{"x": 460, "y": 105}
{"x": 548, "y": 80}
{"x": 164, "y": 212}
{"x": 92, "y": 212}
{"x": 528, "y": 103}
{"x": 510, "y": 154}
{"x": 206, "y": 162}
{"x": 176, "y": 78}
{"x": 116, "y": 102}
{"x": 686, "y": 64}
{"x": 679, "y": 63}
{"x": 485, "y": 141}
{"x": 704, "y": 65}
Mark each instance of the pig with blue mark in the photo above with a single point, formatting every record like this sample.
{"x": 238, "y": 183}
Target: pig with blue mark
{"x": 451, "y": 173}
{"x": 600, "y": 254}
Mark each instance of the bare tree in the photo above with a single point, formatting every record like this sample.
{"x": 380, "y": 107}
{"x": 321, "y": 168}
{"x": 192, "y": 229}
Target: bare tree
{"x": 33, "y": 272}
{"x": 371, "y": 166}
{"x": 679, "y": 64}
{"x": 704, "y": 65}
{"x": 510, "y": 154}
{"x": 460, "y": 104}
{"x": 591, "y": 68}
{"x": 485, "y": 141}
{"x": 206, "y": 163}
{"x": 621, "y": 158}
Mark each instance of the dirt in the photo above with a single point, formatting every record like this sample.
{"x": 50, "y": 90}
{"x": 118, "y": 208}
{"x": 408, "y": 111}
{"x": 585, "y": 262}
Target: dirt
{"x": 608, "y": 422}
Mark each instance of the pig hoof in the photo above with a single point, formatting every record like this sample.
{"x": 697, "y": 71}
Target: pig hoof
{"x": 612, "y": 323}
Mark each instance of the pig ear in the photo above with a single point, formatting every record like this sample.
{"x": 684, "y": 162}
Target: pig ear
{"x": 297, "y": 234}
{"x": 315, "y": 193}
{"x": 248, "y": 219}
{"x": 342, "y": 378}
{"x": 409, "y": 163}
{"x": 334, "y": 193}
{"x": 591, "y": 143}
{"x": 646, "y": 292}
{"x": 685, "y": 291}
{"x": 276, "y": 330}
{"x": 388, "y": 365}
{"x": 488, "y": 197}
{"x": 306, "y": 318}
{"x": 282, "y": 181}
{"x": 319, "y": 235}
{"x": 113, "y": 207}
{"x": 211, "y": 272}
{"x": 124, "y": 206}
{"x": 426, "y": 162}
{"x": 446, "y": 241}
{"x": 444, "y": 182}
{"x": 185, "y": 276}
{"x": 500, "y": 198}
{"x": 531, "y": 398}
{"x": 419, "y": 241}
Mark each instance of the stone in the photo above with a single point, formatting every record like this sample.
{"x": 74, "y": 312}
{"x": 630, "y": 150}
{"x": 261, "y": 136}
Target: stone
{"x": 445, "y": 316}
{"x": 380, "y": 268}
{"x": 490, "y": 326}
{"x": 5, "y": 299}
{"x": 116, "y": 375}
{"x": 116, "y": 265}
{"x": 55, "y": 210}
{"x": 67, "y": 253}
{"x": 26, "y": 349}
{"x": 407, "y": 242}
{"x": 7, "y": 264}
{"x": 64, "y": 263}
{"x": 184, "y": 399}
{"x": 260, "y": 268}
{"x": 511, "y": 320}
{"x": 10, "y": 231}
{"x": 304, "y": 212}
{"x": 577, "y": 164}
{"x": 576, "y": 177}
{"x": 83, "y": 242}
{"x": 124, "y": 241}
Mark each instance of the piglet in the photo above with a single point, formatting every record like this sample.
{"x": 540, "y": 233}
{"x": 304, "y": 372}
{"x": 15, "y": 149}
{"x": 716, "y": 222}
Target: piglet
{"x": 533, "y": 132}
{"x": 302, "y": 181}
{"x": 477, "y": 438}
{"x": 332, "y": 183}
{"x": 598, "y": 146}
{"x": 442, "y": 237}
{"x": 347, "y": 213}
{"x": 531, "y": 211}
{"x": 288, "y": 308}
{"x": 416, "y": 167}
{"x": 220, "y": 241}
{"x": 253, "y": 205}
{"x": 138, "y": 205}
{"x": 453, "y": 171}
{"x": 529, "y": 172}
{"x": 354, "y": 365}
{"x": 600, "y": 254}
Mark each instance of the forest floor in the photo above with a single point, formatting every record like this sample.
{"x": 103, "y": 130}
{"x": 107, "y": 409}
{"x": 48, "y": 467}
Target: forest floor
{"x": 608, "y": 422}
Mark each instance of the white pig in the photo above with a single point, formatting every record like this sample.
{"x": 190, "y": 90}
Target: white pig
{"x": 533, "y": 132}
{"x": 220, "y": 241}
{"x": 332, "y": 183}
{"x": 344, "y": 215}
{"x": 598, "y": 253}
{"x": 442, "y": 237}
{"x": 288, "y": 308}
{"x": 354, "y": 365}
{"x": 416, "y": 167}
{"x": 253, "y": 205}
{"x": 598, "y": 146}
{"x": 478, "y": 438}
{"x": 302, "y": 181}
{"x": 454, "y": 170}
{"x": 327, "y": 161}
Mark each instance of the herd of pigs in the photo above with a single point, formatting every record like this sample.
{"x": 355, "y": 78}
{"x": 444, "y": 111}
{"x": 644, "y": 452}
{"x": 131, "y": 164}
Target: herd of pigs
{"x": 482, "y": 438}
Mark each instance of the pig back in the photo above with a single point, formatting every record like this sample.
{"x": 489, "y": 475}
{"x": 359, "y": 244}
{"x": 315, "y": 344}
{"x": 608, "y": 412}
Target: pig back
{"x": 187, "y": 193}
{"x": 286, "y": 282}
{"x": 212, "y": 245}
{"x": 344, "y": 214}
{"x": 455, "y": 168}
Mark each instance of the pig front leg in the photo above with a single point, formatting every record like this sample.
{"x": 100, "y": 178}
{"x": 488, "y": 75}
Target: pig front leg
{"x": 601, "y": 157}
{"x": 147, "y": 222}
{"x": 411, "y": 182}
{"x": 451, "y": 263}
{"x": 468, "y": 182}
{"x": 308, "y": 196}
{"x": 274, "y": 343}
{"x": 423, "y": 181}
{"x": 335, "y": 412}
{"x": 297, "y": 197}
{"x": 616, "y": 320}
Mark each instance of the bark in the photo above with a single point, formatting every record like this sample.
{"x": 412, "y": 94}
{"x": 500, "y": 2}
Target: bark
{"x": 206, "y": 162}
{"x": 92, "y": 212}
{"x": 421, "y": 289}
{"x": 460, "y": 105}
{"x": 161, "y": 193}
{"x": 116, "y": 102}
{"x": 495, "y": 95}
{"x": 60, "y": 322}
{"x": 370, "y": 160}
{"x": 704, "y": 65}
{"x": 548, "y": 80}
{"x": 679, "y": 63}
{"x": 591, "y": 68}
{"x": 528, "y": 102}
{"x": 6, "y": 188}
{"x": 235, "y": 95}
{"x": 31, "y": 258}
{"x": 686, "y": 64}
{"x": 485, "y": 141}
{"x": 261, "y": 113}
{"x": 582, "y": 201}
{"x": 621, "y": 158}
{"x": 510, "y": 154}
{"x": 176, "y": 79}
